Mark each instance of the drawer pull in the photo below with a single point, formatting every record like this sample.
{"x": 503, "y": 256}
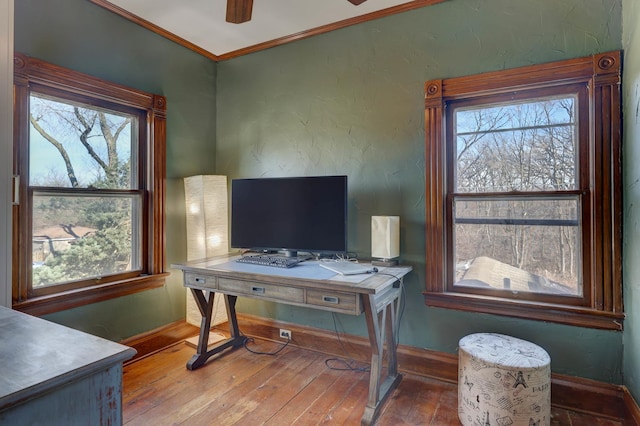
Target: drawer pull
{"x": 200, "y": 280}
{"x": 330, "y": 299}
{"x": 257, "y": 290}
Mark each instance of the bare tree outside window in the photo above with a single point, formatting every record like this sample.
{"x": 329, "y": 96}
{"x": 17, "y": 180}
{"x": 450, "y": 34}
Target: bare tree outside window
{"x": 81, "y": 175}
{"x": 502, "y": 239}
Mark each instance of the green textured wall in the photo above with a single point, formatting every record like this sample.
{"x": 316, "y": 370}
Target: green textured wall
{"x": 87, "y": 38}
{"x": 631, "y": 156}
{"x": 351, "y": 102}
{"x": 345, "y": 102}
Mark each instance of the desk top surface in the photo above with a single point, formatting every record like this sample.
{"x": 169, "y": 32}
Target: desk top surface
{"x": 305, "y": 274}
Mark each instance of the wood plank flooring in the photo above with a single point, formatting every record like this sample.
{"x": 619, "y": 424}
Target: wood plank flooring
{"x": 293, "y": 387}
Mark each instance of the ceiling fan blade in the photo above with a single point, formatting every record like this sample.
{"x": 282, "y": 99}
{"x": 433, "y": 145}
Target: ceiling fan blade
{"x": 356, "y": 2}
{"x": 239, "y": 11}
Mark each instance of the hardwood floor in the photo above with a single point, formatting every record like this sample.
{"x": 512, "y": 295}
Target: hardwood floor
{"x": 293, "y": 387}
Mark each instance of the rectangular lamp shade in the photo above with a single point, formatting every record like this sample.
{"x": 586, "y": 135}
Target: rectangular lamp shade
{"x": 207, "y": 232}
{"x": 207, "y": 216}
{"x": 385, "y": 237}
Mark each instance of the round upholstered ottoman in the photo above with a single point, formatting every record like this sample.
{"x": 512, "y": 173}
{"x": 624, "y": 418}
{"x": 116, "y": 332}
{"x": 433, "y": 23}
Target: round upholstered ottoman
{"x": 503, "y": 381}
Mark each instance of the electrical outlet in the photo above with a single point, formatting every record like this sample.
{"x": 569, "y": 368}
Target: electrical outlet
{"x": 285, "y": 334}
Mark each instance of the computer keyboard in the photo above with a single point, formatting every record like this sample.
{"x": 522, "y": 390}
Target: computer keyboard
{"x": 270, "y": 260}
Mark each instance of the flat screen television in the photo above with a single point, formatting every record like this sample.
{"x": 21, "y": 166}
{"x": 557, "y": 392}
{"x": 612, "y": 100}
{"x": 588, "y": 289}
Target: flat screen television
{"x": 290, "y": 214}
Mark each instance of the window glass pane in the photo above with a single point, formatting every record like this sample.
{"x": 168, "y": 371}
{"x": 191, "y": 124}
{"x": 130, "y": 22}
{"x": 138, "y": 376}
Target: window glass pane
{"x": 528, "y": 146}
{"x": 79, "y": 146}
{"x": 76, "y": 237}
{"x": 519, "y": 245}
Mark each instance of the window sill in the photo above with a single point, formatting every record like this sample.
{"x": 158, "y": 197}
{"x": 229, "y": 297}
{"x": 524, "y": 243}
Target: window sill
{"x": 79, "y": 297}
{"x": 575, "y": 316}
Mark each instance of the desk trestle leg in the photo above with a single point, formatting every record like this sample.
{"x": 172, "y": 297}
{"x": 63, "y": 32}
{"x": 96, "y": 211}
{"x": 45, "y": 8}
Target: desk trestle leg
{"x": 381, "y": 316}
{"x": 204, "y": 301}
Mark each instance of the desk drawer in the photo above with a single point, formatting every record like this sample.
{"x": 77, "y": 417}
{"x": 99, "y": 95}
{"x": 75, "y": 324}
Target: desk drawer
{"x": 200, "y": 280}
{"x": 335, "y": 300}
{"x": 262, "y": 290}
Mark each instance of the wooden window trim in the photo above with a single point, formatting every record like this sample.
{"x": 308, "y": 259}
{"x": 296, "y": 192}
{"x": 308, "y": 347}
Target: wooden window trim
{"x": 601, "y": 74}
{"x": 30, "y": 72}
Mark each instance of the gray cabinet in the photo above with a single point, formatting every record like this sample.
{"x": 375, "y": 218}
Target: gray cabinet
{"x": 54, "y": 375}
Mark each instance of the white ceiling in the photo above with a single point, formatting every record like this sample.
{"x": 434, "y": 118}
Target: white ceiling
{"x": 202, "y": 22}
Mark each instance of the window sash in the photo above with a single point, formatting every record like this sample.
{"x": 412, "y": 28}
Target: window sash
{"x": 137, "y": 180}
{"x": 452, "y": 285}
{"x": 137, "y": 265}
{"x": 136, "y": 141}
{"x": 581, "y": 146}
{"x": 480, "y": 137}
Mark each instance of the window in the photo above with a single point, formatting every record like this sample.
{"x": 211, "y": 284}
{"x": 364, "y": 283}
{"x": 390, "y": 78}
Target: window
{"x": 89, "y": 193}
{"x": 523, "y": 182}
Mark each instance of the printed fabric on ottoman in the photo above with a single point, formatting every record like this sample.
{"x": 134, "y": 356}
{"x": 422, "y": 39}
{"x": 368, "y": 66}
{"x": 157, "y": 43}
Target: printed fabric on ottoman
{"x": 503, "y": 381}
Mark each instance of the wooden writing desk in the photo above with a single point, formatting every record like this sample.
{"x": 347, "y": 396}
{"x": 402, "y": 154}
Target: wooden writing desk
{"x": 306, "y": 284}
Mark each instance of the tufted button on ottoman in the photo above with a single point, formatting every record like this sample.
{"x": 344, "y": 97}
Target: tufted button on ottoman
{"x": 503, "y": 381}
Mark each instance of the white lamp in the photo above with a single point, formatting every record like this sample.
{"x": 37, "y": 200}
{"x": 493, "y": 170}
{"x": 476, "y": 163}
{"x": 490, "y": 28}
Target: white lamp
{"x": 385, "y": 240}
{"x": 207, "y": 231}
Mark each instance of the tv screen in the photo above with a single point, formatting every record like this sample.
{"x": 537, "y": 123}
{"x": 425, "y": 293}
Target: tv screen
{"x": 290, "y": 214}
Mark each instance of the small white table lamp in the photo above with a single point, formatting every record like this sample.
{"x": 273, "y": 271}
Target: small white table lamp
{"x": 385, "y": 240}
